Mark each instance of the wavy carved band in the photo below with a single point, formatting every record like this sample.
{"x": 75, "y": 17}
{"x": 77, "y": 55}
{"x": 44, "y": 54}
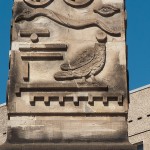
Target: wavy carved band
{"x": 68, "y": 22}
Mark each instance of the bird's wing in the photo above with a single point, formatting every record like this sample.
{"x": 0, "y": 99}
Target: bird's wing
{"x": 82, "y": 59}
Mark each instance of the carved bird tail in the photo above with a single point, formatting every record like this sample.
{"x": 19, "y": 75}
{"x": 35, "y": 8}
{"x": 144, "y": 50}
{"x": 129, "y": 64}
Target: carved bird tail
{"x": 64, "y": 75}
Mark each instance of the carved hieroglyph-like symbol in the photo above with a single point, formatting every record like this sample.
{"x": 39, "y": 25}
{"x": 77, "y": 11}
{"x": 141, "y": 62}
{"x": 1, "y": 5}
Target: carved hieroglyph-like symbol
{"x": 78, "y": 3}
{"x": 107, "y": 11}
{"x": 34, "y": 34}
{"x": 68, "y": 22}
{"x": 37, "y": 3}
{"x": 87, "y": 63}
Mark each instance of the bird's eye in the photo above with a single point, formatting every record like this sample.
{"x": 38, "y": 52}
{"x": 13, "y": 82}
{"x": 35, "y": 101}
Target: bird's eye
{"x": 107, "y": 11}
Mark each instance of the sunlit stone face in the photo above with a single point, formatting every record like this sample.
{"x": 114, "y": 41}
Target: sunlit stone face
{"x": 67, "y": 86}
{"x": 65, "y": 46}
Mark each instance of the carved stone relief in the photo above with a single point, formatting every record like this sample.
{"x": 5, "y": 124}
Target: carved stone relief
{"x": 37, "y": 3}
{"x": 71, "y": 23}
{"x": 34, "y": 34}
{"x": 107, "y": 11}
{"x": 68, "y": 72}
{"x": 78, "y": 3}
{"x": 56, "y": 43}
{"x": 88, "y": 63}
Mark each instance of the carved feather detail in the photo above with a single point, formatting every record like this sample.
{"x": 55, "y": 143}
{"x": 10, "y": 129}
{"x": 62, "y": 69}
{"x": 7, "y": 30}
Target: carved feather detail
{"x": 68, "y": 22}
{"x": 78, "y": 3}
{"x": 82, "y": 59}
{"x": 89, "y": 66}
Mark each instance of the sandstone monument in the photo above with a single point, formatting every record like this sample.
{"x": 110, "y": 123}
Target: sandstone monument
{"x": 67, "y": 86}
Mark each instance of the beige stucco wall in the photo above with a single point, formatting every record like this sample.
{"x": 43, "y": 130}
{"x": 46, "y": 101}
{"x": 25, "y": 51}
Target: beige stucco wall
{"x": 139, "y": 117}
{"x": 3, "y": 122}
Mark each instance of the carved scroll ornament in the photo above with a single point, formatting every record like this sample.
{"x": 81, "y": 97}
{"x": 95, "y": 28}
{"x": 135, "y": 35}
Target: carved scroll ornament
{"x": 78, "y": 3}
{"x": 68, "y": 22}
{"x": 86, "y": 64}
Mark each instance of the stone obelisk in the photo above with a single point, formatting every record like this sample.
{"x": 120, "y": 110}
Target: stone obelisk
{"x": 67, "y": 85}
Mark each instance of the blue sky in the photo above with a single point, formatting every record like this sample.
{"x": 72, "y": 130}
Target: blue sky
{"x": 138, "y": 40}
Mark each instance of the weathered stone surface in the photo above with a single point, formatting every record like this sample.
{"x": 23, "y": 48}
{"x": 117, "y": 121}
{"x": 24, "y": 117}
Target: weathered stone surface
{"x": 70, "y": 146}
{"x": 83, "y": 43}
{"x": 68, "y": 79}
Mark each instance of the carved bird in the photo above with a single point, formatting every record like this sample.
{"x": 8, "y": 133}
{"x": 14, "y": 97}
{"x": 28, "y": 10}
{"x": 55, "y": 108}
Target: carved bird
{"x": 86, "y": 64}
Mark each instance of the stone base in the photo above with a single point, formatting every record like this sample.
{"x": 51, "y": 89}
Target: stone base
{"x": 69, "y": 146}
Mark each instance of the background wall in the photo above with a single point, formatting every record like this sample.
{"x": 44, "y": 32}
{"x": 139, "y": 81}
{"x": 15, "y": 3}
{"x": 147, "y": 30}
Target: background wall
{"x": 3, "y": 123}
{"x": 139, "y": 117}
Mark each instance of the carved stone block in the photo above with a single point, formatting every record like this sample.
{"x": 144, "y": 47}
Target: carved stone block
{"x": 68, "y": 76}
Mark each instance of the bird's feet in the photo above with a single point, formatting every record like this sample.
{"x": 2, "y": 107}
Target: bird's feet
{"x": 88, "y": 83}
{"x": 83, "y": 81}
{"x": 94, "y": 81}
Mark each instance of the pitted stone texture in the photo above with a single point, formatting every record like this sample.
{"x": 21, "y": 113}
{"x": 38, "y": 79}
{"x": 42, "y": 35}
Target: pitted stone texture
{"x": 67, "y": 129}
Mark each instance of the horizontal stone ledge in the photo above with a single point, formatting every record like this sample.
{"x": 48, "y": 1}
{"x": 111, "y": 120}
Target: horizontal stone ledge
{"x": 56, "y": 86}
{"x": 31, "y": 56}
{"x": 43, "y": 47}
{"x": 68, "y": 114}
{"x": 39, "y": 32}
{"x": 70, "y": 146}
